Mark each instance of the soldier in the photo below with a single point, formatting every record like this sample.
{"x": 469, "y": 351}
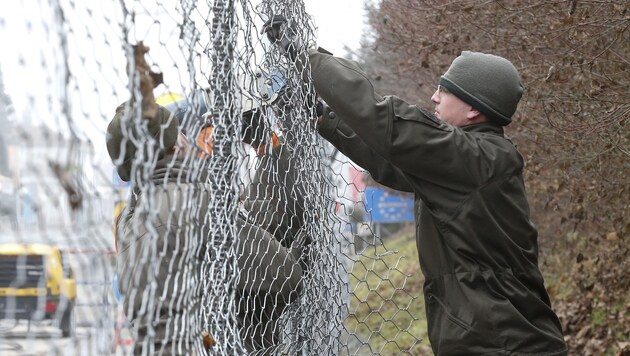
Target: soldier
{"x": 159, "y": 248}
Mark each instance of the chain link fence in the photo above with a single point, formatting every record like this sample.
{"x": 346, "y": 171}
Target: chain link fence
{"x": 221, "y": 226}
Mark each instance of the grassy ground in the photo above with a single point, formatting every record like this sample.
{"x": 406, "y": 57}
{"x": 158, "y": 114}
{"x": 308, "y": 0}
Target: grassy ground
{"x": 387, "y": 309}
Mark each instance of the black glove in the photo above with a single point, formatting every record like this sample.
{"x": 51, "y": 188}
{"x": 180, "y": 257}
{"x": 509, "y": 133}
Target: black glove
{"x": 279, "y": 34}
{"x": 253, "y": 128}
{"x": 319, "y": 107}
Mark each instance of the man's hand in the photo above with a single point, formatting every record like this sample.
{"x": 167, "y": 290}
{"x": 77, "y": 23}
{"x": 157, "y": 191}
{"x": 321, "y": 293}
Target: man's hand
{"x": 280, "y": 34}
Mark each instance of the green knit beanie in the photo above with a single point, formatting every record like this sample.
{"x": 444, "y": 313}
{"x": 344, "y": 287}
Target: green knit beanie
{"x": 163, "y": 128}
{"x": 489, "y": 83}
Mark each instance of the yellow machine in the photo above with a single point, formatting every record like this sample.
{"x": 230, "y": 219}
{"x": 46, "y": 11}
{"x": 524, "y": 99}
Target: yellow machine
{"x": 37, "y": 283}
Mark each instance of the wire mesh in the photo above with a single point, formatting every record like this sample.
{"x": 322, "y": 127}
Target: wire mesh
{"x": 164, "y": 190}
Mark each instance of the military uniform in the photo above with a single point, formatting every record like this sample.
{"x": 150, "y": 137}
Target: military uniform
{"x": 160, "y": 253}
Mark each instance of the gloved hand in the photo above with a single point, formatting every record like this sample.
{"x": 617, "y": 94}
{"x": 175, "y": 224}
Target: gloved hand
{"x": 253, "y": 128}
{"x": 278, "y": 33}
{"x": 319, "y": 107}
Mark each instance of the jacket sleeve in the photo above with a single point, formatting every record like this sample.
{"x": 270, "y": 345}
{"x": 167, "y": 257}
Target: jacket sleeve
{"x": 265, "y": 265}
{"x": 274, "y": 198}
{"x": 340, "y": 135}
{"x": 276, "y": 180}
{"x": 426, "y": 149}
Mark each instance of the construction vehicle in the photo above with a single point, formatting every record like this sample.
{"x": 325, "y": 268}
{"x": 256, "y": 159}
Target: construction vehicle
{"x": 37, "y": 283}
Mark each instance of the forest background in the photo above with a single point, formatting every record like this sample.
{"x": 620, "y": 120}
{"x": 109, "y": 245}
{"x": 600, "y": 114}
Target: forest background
{"x": 572, "y": 128}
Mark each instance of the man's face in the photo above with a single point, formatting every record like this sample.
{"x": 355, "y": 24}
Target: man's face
{"x": 203, "y": 148}
{"x": 450, "y": 108}
{"x": 182, "y": 147}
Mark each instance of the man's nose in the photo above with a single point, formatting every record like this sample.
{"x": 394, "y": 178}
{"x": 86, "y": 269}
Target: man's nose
{"x": 436, "y": 97}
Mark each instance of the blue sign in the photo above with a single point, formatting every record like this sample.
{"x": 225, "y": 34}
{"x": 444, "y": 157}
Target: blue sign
{"x": 386, "y": 207}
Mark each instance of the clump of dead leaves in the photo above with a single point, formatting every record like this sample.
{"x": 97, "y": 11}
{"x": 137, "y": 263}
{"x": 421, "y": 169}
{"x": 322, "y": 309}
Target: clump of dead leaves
{"x": 595, "y": 316}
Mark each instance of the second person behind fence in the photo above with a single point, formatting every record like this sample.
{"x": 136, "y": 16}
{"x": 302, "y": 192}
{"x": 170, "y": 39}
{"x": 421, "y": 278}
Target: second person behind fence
{"x": 160, "y": 248}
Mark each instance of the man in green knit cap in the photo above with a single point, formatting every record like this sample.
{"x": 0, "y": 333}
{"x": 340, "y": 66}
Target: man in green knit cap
{"x": 484, "y": 292}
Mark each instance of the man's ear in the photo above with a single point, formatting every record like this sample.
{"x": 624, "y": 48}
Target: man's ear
{"x": 472, "y": 114}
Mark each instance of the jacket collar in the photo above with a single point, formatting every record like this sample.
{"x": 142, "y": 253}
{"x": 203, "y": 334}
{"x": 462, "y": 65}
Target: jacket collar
{"x": 486, "y": 127}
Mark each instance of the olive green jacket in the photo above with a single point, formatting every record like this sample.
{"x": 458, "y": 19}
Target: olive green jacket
{"x": 484, "y": 293}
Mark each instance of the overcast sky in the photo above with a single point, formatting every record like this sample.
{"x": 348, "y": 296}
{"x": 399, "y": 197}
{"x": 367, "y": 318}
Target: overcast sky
{"x": 34, "y": 62}
{"x": 25, "y": 28}
{"x": 340, "y": 23}
{"x": 34, "y": 68}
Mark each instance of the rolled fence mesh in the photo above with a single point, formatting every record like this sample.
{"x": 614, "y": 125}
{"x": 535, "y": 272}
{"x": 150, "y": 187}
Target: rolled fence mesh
{"x": 165, "y": 191}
